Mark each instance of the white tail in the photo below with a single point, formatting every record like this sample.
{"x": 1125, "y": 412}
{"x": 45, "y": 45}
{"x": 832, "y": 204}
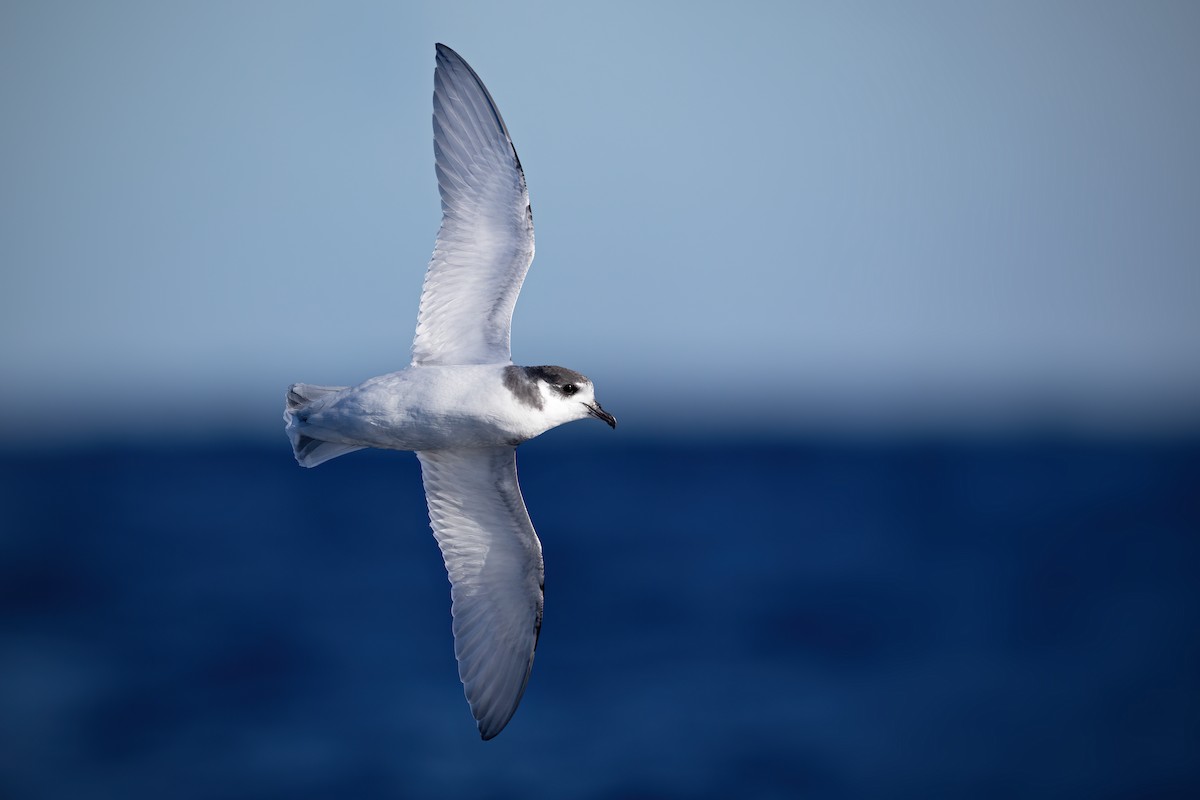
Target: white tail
{"x": 309, "y": 449}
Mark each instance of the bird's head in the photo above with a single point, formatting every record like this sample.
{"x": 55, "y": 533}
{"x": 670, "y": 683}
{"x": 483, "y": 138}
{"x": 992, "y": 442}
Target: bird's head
{"x": 561, "y": 394}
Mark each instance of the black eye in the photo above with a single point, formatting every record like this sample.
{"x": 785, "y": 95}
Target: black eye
{"x": 569, "y": 389}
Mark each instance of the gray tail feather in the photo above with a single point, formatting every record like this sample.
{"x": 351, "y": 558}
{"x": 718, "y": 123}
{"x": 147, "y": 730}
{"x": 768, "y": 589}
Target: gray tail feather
{"x": 309, "y": 448}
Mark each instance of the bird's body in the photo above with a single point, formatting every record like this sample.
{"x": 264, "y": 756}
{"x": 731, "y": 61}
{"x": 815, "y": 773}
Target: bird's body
{"x": 462, "y": 404}
{"x": 429, "y": 408}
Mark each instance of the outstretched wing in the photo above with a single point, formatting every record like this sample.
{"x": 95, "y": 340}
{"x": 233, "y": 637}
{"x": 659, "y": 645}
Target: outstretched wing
{"x": 485, "y": 244}
{"x": 494, "y": 560}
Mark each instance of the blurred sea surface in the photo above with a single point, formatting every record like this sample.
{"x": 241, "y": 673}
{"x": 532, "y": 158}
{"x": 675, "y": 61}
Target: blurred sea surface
{"x": 826, "y": 619}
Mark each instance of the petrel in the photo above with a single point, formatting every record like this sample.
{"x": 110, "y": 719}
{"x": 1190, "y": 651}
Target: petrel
{"x": 462, "y": 404}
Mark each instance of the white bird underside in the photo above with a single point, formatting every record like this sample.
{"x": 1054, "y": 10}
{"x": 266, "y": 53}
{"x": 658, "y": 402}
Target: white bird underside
{"x": 462, "y": 405}
{"x": 483, "y": 251}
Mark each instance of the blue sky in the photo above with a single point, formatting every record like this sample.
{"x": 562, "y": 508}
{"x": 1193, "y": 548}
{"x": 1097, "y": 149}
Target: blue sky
{"x": 828, "y": 216}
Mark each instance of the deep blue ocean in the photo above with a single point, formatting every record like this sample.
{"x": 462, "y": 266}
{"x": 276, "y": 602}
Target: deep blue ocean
{"x": 816, "y": 619}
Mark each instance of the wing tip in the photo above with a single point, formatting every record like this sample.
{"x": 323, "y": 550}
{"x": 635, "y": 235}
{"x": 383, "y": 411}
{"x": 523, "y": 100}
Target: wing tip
{"x": 447, "y": 53}
{"x": 490, "y": 728}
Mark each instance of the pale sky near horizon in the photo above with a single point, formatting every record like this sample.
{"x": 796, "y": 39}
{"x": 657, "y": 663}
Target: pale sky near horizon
{"x": 819, "y": 214}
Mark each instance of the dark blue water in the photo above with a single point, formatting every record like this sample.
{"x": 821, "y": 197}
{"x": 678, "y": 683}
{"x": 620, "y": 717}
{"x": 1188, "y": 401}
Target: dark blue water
{"x": 819, "y": 620}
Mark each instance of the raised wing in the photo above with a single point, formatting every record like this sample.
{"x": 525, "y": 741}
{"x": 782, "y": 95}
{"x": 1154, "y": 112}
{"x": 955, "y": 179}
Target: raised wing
{"x": 485, "y": 244}
{"x": 494, "y": 560}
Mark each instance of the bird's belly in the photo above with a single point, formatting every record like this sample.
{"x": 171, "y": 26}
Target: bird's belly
{"x": 439, "y": 431}
{"x": 399, "y": 414}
